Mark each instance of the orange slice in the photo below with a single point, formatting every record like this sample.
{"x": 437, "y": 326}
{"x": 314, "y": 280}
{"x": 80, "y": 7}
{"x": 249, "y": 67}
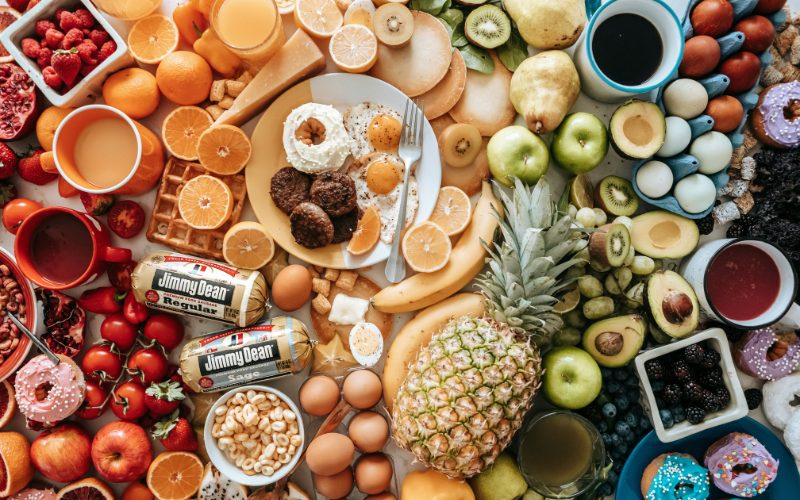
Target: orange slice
{"x": 367, "y": 233}
{"x": 175, "y": 475}
{"x": 7, "y": 17}
{"x": 182, "y": 129}
{"x": 318, "y": 18}
{"x": 426, "y": 247}
{"x": 354, "y": 48}
{"x": 152, "y": 39}
{"x": 248, "y": 245}
{"x": 205, "y": 202}
{"x": 86, "y": 488}
{"x": 224, "y": 149}
{"x": 453, "y": 210}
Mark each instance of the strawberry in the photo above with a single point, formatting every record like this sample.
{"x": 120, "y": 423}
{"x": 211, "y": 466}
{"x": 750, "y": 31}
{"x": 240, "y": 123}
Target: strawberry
{"x": 99, "y": 36}
{"x": 97, "y": 204}
{"x": 106, "y": 50}
{"x": 45, "y": 55}
{"x": 53, "y": 38}
{"x": 163, "y": 398}
{"x": 8, "y": 161}
{"x": 31, "y": 48}
{"x": 42, "y": 26}
{"x": 85, "y": 18}
{"x": 30, "y": 169}
{"x": 126, "y": 218}
{"x": 87, "y": 51}
{"x": 67, "y": 64}
{"x": 175, "y": 433}
{"x": 68, "y": 21}
{"x": 51, "y": 78}
{"x": 88, "y": 68}
{"x": 8, "y": 192}
{"x": 73, "y": 38}
{"x": 18, "y": 5}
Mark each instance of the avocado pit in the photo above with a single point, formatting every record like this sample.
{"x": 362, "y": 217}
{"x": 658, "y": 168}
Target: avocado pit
{"x": 677, "y": 307}
{"x": 609, "y": 343}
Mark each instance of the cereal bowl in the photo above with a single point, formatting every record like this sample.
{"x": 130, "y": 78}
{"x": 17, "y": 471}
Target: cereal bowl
{"x": 215, "y": 431}
{"x": 17, "y": 357}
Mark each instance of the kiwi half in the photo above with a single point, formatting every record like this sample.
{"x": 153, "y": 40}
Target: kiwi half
{"x": 616, "y": 196}
{"x": 460, "y": 144}
{"x": 393, "y": 24}
{"x": 610, "y": 244}
{"x": 488, "y": 27}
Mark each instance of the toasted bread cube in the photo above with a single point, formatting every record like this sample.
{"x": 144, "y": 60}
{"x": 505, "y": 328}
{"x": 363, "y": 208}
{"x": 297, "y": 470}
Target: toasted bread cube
{"x": 313, "y": 271}
{"x": 321, "y": 304}
{"x": 215, "y": 111}
{"x": 226, "y": 102}
{"x": 347, "y": 280}
{"x": 331, "y": 274}
{"x": 321, "y": 286}
{"x": 245, "y": 78}
{"x": 234, "y": 88}
{"x": 217, "y": 91}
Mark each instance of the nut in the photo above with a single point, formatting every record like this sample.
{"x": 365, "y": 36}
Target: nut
{"x": 677, "y": 307}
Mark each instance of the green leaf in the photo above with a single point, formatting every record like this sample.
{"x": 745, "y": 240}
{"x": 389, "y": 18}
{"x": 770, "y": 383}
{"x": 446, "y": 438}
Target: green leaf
{"x": 513, "y": 52}
{"x": 452, "y": 17}
{"x": 432, "y": 7}
{"x": 477, "y": 59}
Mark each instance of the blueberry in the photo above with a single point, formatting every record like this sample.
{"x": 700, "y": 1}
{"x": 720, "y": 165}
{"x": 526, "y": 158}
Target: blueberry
{"x": 616, "y": 454}
{"x": 678, "y": 414}
{"x": 631, "y": 419}
{"x": 613, "y": 477}
{"x": 606, "y": 372}
{"x": 623, "y": 403}
{"x": 622, "y": 428}
{"x": 623, "y": 448}
{"x": 609, "y": 410}
{"x": 667, "y": 423}
{"x": 606, "y": 437}
{"x": 602, "y": 426}
{"x": 605, "y": 490}
{"x": 613, "y": 387}
{"x": 632, "y": 381}
{"x": 636, "y": 409}
{"x": 621, "y": 375}
{"x": 664, "y": 414}
{"x": 657, "y": 386}
{"x": 630, "y": 437}
{"x": 618, "y": 467}
{"x": 616, "y": 440}
{"x": 660, "y": 402}
{"x": 644, "y": 423}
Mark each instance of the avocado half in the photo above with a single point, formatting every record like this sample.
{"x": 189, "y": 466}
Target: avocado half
{"x": 614, "y": 342}
{"x": 673, "y": 303}
{"x": 664, "y": 235}
{"x": 638, "y": 129}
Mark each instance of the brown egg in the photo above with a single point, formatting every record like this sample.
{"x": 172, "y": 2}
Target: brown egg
{"x": 373, "y": 473}
{"x": 330, "y": 454}
{"x": 362, "y": 389}
{"x": 291, "y": 288}
{"x": 369, "y": 431}
{"x": 335, "y": 486}
{"x": 727, "y": 113}
{"x": 701, "y": 55}
{"x": 319, "y": 395}
{"x": 382, "y": 496}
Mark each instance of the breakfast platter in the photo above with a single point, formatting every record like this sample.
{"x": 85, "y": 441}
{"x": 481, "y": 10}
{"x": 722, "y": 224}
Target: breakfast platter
{"x": 399, "y": 249}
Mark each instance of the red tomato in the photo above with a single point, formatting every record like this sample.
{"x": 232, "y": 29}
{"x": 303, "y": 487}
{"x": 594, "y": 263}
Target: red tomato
{"x": 115, "y": 328}
{"x": 95, "y": 403}
{"x": 148, "y": 365}
{"x": 128, "y": 402}
{"x": 16, "y": 211}
{"x": 166, "y": 329}
{"x": 119, "y": 274}
{"x": 100, "y": 358}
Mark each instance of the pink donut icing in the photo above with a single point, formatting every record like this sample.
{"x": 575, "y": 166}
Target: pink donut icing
{"x": 33, "y": 494}
{"x": 773, "y": 107}
{"x": 49, "y": 393}
{"x": 752, "y": 353}
{"x": 740, "y": 465}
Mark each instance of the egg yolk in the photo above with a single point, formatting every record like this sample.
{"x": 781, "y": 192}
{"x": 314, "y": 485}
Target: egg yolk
{"x": 383, "y": 133}
{"x": 382, "y": 177}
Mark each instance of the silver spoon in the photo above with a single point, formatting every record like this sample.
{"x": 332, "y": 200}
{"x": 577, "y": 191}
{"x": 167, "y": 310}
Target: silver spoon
{"x": 36, "y": 340}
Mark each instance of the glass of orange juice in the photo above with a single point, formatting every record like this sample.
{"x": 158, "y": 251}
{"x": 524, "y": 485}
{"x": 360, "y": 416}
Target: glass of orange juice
{"x": 251, "y": 29}
{"x": 128, "y": 10}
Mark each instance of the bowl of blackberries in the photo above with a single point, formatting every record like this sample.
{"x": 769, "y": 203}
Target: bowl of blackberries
{"x": 691, "y": 385}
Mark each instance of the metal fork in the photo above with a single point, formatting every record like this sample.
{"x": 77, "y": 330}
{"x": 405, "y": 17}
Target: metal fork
{"x": 410, "y": 152}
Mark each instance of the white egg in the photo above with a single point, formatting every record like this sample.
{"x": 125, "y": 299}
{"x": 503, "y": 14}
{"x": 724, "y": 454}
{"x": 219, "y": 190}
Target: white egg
{"x": 654, "y": 179}
{"x": 678, "y": 137}
{"x": 695, "y": 193}
{"x": 713, "y": 150}
{"x": 373, "y": 127}
{"x": 686, "y": 98}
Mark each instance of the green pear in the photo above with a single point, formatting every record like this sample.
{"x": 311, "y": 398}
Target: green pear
{"x": 548, "y": 24}
{"x": 501, "y": 481}
{"x": 544, "y": 88}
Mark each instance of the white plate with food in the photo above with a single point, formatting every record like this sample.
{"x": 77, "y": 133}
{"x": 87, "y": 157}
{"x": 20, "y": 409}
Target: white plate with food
{"x": 332, "y": 141}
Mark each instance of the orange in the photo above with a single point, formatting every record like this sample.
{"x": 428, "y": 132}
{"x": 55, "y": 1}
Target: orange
{"x": 367, "y": 233}
{"x": 248, "y": 245}
{"x": 175, "y": 475}
{"x": 181, "y": 131}
{"x": 224, "y": 149}
{"x": 15, "y": 463}
{"x": 86, "y": 488}
{"x": 205, "y": 202}
{"x": 48, "y": 162}
{"x": 318, "y": 18}
{"x": 133, "y": 91}
{"x": 153, "y": 38}
{"x": 137, "y": 491}
{"x": 354, "y": 48}
{"x": 426, "y": 247}
{"x": 48, "y": 123}
{"x": 453, "y": 210}
{"x": 184, "y": 78}
{"x": 8, "y": 404}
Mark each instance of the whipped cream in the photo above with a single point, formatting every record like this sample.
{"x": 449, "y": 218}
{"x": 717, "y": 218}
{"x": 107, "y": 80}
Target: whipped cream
{"x": 315, "y": 139}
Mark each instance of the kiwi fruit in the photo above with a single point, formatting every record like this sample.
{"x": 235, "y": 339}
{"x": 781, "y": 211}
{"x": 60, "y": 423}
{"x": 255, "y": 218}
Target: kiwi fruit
{"x": 460, "y": 144}
{"x": 488, "y": 27}
{"x": 471, "y": 3}
{"x": 393, "y": 24}
{"x": 616, "y": 196}
{"x": 610, "y": 244}
{"x": 580, "y": 191}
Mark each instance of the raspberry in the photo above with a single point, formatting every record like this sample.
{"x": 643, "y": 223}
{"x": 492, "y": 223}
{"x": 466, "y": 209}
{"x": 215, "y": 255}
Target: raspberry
{"x": 753, "y": 398}
{"x": 106, "y": 50}
{"x": 31, "y": 48}
{"x": 99, "y": 37}
{"x": 85, "y": 18}
{"x": 42, "y": 26}
{"x": 695, "y": 415}
{"x": 45, "y": 54}
{"x": 59, "y": 12}
{"x": 53, "y": 38}
{"x": 73, "y": 38}
{"x": 51, "y": 78}
{"x": 87, "y": 68}
{"x": 69, "y": 21}
{"x": 87, "y": 51}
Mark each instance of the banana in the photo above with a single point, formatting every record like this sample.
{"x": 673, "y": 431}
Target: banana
{"x": 418, "y": 332}
{"x": 466, "y": 261}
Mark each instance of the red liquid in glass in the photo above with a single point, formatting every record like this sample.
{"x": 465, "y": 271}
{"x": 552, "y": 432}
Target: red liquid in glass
{"x": 61, "y": 248}
{"x": 742, "y": 282}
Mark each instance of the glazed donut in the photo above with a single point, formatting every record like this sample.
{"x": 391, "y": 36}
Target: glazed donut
{"x": 778, "y": 396}
{"x": 674, "y": 475}
{"x": 776, "y": 117}
{"x": 48, "y": 393}
{"x": 766, "y": 355}
{"x": 740, "y": 465}
{"x": 791, "y": 435}
{"x": 34, "y": 494}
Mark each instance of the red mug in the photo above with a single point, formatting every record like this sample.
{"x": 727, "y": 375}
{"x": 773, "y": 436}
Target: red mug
{"x": 60, "y": 248}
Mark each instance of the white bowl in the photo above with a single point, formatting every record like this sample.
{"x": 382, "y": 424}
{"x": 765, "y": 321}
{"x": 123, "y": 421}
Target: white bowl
{"x": 736, "y": 409}
{"x": 87, "y": 90}
{"x": 228, "y": 468}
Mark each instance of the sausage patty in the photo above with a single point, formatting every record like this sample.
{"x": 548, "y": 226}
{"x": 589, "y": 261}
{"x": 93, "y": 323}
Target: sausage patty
{"x": 334, "y": 192}
{"x": 311, "y": 226}
{"x": 289, "y": 188}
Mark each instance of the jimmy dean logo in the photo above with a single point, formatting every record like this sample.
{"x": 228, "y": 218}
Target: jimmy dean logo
{"x": 239, "y": 358}
{"x": 193, "y": 287}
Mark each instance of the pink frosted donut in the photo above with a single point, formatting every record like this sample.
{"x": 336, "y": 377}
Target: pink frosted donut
{"x": 49, "y": 393}
{"x": 33, "y": 494}
{"x": 740, "y": 465}
{"x": 766, "y": 355}
{"x": 776, "y": 117}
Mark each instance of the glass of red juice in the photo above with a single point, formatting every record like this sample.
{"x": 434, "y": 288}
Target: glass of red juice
{"x": 745, "y": 283}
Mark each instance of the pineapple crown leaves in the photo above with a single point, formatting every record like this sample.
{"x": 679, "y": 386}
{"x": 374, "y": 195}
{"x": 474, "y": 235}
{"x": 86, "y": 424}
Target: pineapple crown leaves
{"x": 163, "y": 427}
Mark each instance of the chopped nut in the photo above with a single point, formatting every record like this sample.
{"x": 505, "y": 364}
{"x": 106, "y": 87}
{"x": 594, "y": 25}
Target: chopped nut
{"x": 347, "y": 280}
{"x": 217, "y": 91}
{"x": 215, "y": 111}
{"x": 234, "y": 87}
{"x": 321, "y": 304}
{"x": 226, "y": 103}
{"x": 245, "y": 78}
{"x": 321, "y": 286}
{"x": 331, "y": 274}
{"x": 745, "y": 202}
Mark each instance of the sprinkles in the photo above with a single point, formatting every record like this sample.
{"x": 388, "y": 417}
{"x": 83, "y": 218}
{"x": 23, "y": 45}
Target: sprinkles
{"x": 765, "y": 355}
{"x": 740, "y": 465}
{"x": 679, "y": 478}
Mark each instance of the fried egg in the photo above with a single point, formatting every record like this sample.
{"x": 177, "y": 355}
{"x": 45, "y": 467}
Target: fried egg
{"x": 372, "y": 128}
{"x": 379, "y": 183}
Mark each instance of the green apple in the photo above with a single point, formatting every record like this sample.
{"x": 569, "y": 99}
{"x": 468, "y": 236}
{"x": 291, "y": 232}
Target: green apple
{"x": 572, "y": 377}
{"x": 580, "y": 143}
{"x": 501, "y": 481}
{"x": 517, "y": 152}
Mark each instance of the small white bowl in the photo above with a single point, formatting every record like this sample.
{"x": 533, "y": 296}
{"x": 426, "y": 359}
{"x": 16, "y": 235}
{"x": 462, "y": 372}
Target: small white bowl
{"x": 228, "y": 468}
{"x": 736, "y": 409}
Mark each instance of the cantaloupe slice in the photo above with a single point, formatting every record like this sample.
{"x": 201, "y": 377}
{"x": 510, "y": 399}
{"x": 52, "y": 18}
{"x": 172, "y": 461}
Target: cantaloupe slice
{"x": 486, "y": 101}
{"x": 441, "y": 98}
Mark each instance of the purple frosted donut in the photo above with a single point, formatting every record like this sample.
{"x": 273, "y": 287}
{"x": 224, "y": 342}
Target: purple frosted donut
{"x": 776, "y": 117}
{"x": 766, "y": 355}
{"x": 740, "y": 465}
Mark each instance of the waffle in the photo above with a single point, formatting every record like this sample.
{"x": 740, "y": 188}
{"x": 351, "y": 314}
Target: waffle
{"x": 168, "y": 227}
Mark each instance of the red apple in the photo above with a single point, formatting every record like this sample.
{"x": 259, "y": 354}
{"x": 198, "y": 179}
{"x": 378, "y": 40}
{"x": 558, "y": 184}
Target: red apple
{"x": 62, "y": 453}
{"x": 742, "y": 69}
{"x": 121, "y": 452}
{"x": 769, "y": 6}
{"x": 759, "y": 33}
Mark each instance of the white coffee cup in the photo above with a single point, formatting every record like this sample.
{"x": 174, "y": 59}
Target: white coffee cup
{"x": 599, "y": 86}
{"x": 783, "y": 310}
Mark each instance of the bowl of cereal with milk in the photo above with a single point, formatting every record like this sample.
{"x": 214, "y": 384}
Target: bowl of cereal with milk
{"x": 254, "y": 435}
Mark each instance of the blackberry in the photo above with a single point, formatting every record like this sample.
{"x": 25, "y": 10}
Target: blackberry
{"x": 706, "y": 224}
{"x": 710, "y": 359}
{"x": 753, "y": 397}
{"x": 695, "y": 415}
{"x": 672, "y": 394}
{"x": 693, "y": 392}
{"x": 736, "y": 231}
{"x": 710, "y": 379}
{"x": 709, "y": 401}
{"x": 654, "y": 369}
{"x": 694, "y": 354}
{"x": 723, "y": 396}
{"x": 680, "y": 371}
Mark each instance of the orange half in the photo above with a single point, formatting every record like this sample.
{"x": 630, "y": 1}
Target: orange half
{"x": 452, "y": 211}
{"x": 354, "y": 48}
{"x": 181, "y": 131}
{"x": 175, "y": 475}
{"x": 318, "y": 18}
{"x": 426, "y": 247}
{"x": 224, "y": 149}
{"x": 205, "y": 202}
{"x": 153, "y": 38}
